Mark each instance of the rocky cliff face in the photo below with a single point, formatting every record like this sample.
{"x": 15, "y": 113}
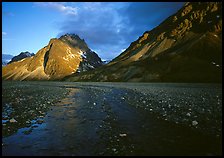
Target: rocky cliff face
{"x": 55, "y": 61}
{"x": 90, "y": 59}
{"x": 186, "y": 47}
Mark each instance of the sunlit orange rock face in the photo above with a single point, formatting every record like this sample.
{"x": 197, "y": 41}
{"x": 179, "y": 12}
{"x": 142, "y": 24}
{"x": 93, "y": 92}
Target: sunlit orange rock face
{"x": 186, "y": 47}
{"x": 56, "y": 60}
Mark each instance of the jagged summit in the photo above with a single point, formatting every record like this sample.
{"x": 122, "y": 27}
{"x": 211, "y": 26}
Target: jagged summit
{"x": 74, "y": 41}
{"x": 61, "y": 57}
{"x": 21, "y": 56}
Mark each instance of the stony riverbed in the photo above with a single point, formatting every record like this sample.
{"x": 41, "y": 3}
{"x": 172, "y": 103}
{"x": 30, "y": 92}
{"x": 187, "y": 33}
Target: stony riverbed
{"x": 63, "y": 118}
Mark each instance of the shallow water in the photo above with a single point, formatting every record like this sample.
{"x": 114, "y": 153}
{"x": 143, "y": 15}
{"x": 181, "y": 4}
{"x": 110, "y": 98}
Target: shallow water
{"x": 123, "y": 119}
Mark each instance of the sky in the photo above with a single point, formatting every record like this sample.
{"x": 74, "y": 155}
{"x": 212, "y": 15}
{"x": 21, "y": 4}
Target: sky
{"x": 107, "y": 27}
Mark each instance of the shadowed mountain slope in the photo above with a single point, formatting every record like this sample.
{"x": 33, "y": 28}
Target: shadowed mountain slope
{"x": 21, "y": 56}
{"x": 186, "y": 47}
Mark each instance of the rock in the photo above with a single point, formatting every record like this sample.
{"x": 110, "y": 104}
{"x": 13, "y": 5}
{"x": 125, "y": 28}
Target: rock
{"x": 194, "y": 123}
{"x": 114, "y": 149}
{"x": 28, "y": 122}
{"x": 123, "y": 135}
{"x": 40, "y": 121}
{"x": 41, "y": 112}
{"x": 12, "y": 120}
{"x": 188, "y": 114}
{"x": 5, "y": 118}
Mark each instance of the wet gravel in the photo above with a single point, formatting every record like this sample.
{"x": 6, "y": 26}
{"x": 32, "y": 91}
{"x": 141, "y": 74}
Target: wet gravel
{"x": 112, "y": 119}
{"x": 24, "y": 104}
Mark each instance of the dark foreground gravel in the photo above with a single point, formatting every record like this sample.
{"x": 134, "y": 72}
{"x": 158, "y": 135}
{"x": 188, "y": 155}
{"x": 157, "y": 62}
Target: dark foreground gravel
{"x": 62, "y": 118}
{"x": 25, "y": 104}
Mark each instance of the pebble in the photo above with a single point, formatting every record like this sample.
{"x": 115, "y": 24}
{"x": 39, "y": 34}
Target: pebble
{"x": 94, "y": 103}
{"x": 5, "y": 118}
{"x": 194, "y": 123}
{"x": 114, "y": 149}
{"x": 12, "y": 120}
{"x": 188, "y": 114}
{"x": 40, "y": 121}
{"x": 123, "y": 135}
{"x": 41, "y": 112}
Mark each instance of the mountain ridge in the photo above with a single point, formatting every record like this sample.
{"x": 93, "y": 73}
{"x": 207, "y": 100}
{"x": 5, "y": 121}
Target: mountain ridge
{"x": 183, "y": 48}
{"x": 21, "y": 56}
{"x": 54, "y": 61}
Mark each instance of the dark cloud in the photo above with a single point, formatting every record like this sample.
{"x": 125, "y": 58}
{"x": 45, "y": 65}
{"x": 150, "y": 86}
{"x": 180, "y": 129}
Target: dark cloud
{"x": 151, "y": 14}
{"x": 110, "y": 27}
